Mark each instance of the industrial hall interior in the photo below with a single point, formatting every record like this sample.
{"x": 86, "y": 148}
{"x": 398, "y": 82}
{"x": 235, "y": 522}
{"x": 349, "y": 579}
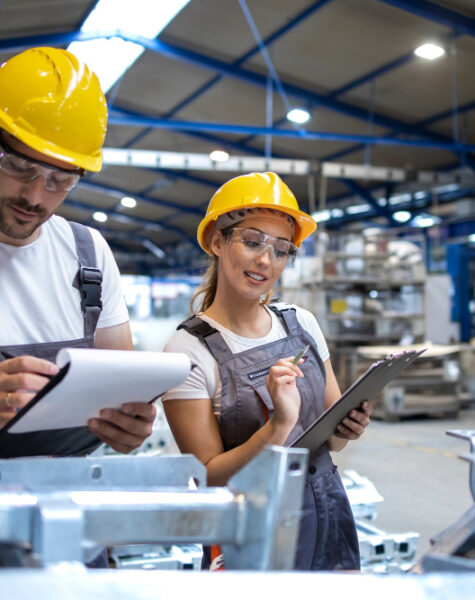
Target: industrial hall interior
{"x": 237, "y": 298}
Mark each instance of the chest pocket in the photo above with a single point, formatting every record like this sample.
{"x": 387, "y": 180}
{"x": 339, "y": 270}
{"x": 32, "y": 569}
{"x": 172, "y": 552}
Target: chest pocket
{"x": 264, "y": 399}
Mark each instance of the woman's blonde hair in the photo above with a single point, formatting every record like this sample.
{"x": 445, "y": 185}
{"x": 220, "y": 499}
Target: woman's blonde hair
{"x": 204, "y": 296}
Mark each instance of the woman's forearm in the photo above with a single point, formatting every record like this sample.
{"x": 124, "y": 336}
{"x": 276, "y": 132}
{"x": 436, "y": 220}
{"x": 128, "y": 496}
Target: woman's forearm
{"x": 223, "y": 466}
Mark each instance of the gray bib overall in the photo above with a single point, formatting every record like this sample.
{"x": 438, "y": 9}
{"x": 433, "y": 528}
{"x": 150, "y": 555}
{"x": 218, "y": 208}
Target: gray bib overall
{"x": 75, "y": 441}
{"x": 327, "y": 536}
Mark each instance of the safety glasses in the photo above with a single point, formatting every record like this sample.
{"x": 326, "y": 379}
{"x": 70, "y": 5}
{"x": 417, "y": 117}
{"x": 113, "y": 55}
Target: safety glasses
{"x": 256, "y": 242}
{"x": 25, "y": 169}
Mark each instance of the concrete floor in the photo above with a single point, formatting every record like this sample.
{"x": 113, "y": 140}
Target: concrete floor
{"x": 415, "y": 467}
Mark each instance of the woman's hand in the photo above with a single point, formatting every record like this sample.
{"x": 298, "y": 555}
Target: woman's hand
{"x": 282, "y": 387}
{"x": 20, "y": 379}
{"x": 354, "y": 424}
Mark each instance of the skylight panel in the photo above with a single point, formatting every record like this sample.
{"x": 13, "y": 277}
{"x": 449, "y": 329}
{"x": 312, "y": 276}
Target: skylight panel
{"x": 109, "y": 58}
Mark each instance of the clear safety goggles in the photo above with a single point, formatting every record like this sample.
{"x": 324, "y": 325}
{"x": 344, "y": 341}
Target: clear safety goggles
{"x": 23, "y": 168}
{"x": 256, "y": 242}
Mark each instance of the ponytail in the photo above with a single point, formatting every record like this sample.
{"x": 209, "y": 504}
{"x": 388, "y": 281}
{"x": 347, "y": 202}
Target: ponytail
{"x": 207, "y": 288}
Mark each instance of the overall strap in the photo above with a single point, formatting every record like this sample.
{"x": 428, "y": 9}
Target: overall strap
{"x": 88, "y": 279}
{"x": 209, "y": 336}
{"x": 289, "y": 316}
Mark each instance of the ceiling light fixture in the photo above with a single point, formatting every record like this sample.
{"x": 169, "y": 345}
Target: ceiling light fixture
{"x": 321, "y": 215}
{"x": 298, "y": 115}
{"x": 425, "y": 220}
{"x": 219, "y": 155}
{"x": 402, "y": 216}
{"x": 99, "y": 216}
{"x": 110, "y": 57}
{"x": 429, "y": 51}
{"x": 128, "y": 202}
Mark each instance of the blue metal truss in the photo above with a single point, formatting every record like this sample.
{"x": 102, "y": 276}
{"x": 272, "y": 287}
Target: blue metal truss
{"x": 438, "y": 117}
{"x": 422, "y": 204}
{"x": 358, "y": 190}
{"x": 111, "y": 190}
{"x": 141, "y": 223}
{"x": 225, "y": 69}
{"x": 434, "y": 12}
{"x": 423, "y": 8}
{"x": 267, "y": 42}
{"x": 141, "y": 121}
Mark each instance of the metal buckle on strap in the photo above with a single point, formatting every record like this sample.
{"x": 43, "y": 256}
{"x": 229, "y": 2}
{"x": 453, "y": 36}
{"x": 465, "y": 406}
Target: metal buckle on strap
{"x": 90, "y": 287}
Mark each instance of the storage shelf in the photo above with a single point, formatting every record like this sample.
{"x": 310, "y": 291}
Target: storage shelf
{"x": 371, "y": 317}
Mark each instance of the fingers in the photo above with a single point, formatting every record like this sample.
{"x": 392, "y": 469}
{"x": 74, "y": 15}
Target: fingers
{"x": 28, "y": 364}
{"x": 140, "y": 409}
{"x": 285, "y": 367}
{"x": 13, "y": 401}
{"x": 355, "y": 423}
{"x": 5, "y": 416}
{"x": 124, "y": 432}
{"x": 21, "y": 375}
{"x": 22, "y": 381}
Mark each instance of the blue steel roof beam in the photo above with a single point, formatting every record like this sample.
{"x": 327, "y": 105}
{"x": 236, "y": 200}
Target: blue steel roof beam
{"x": 176, "y": 52}
{"x": 210, "y": 139}
{"x": 398, "y": 62}
{"x": 144, "y": 223}
{"x": 449, "y": 113}
{"x": 409, "y": 205}
{"x": 382, "y": 70}
{"x": 225, "y": 69}
{"x": 288, "y": 133}
{"x": 394, "y": 64}
{"x": 269, "y": 40}
{"x": 118, "y": 192}
{"x": 438, "y": 117}
{"x": 436, "y": 13}
{"x": 357, "y": 189}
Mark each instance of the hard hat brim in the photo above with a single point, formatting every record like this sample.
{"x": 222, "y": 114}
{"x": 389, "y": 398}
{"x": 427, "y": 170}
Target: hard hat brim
{"x": 88, "y": 162}
{"x": 305, "y": 225}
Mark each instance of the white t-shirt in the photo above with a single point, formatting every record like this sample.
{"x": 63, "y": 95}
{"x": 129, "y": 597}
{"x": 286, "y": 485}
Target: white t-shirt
{"x": 38, "y": 302}
{"x": 204, "y": 381}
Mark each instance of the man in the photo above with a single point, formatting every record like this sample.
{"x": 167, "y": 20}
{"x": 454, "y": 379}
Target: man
{"x": 53, "y": 118}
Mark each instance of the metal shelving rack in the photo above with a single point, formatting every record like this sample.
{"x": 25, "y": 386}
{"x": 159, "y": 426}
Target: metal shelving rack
{"x": 363, "y": 290}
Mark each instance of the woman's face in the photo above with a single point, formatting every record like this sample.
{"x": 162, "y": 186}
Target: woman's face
{"x": 248, "y": 272}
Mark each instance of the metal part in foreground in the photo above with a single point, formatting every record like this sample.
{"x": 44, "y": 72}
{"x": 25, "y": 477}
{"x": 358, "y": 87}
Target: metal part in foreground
{"x": 255, "y": 519}
{"x": 454, "y": 548}
{"x": 467, "y": 434}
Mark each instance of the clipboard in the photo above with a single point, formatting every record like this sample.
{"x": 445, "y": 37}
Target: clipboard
{"x": 54, "y": 422}
{"x": 378, "y": 375}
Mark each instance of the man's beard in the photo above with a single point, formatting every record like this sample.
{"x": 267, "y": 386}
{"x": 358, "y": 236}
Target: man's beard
{"x": 12, "y": 225}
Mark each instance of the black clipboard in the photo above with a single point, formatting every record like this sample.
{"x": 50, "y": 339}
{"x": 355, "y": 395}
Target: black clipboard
{"x": 378, "y": 375}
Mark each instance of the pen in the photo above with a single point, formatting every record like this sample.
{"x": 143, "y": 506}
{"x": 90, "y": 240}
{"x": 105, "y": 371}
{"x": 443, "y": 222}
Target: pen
{"x": 300, "y": 354}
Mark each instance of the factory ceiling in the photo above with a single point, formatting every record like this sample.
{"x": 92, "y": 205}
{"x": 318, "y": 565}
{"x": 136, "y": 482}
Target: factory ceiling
{"x": 223, "y": 74}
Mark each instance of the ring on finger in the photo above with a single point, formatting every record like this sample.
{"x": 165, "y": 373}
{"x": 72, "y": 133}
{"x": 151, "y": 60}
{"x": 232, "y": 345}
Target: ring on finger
{"x": 7, "y": 398}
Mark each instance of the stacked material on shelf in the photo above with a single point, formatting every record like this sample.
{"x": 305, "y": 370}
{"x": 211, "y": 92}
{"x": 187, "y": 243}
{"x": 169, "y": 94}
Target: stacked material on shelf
{"x": 432, "y": 385}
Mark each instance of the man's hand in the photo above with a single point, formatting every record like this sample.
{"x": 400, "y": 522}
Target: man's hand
{"x": 354, "y": 424}
{"x": 20, "y": 379}
{"x": 124, "y": 430}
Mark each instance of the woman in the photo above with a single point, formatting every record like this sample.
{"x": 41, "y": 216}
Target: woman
{"x": 246, "y": 392}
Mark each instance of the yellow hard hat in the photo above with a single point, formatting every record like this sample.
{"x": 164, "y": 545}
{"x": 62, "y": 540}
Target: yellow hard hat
{"x": 254, "y": 190}
{"x": 54, "y": 104}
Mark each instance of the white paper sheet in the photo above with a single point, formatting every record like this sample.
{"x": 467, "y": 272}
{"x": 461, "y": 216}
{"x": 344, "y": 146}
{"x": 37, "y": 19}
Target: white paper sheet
{"x": 99, "y": 379}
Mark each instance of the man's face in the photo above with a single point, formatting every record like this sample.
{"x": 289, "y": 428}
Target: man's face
{"x": 25, "y": 205}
